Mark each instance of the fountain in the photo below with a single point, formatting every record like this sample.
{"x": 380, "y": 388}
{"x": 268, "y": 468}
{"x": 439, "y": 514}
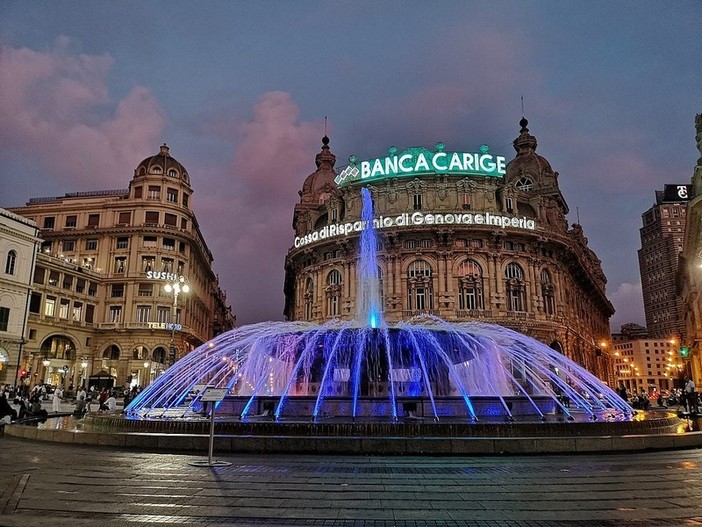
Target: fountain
{"x": 424, "y": 369}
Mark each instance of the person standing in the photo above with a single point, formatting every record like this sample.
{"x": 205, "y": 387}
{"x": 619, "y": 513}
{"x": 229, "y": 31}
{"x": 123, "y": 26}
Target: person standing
{"x": 689, "y": 394}
{"x": 56, "y": 402}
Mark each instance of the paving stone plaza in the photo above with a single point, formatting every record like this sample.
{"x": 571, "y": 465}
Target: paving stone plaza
{"x": 72, "y": 485}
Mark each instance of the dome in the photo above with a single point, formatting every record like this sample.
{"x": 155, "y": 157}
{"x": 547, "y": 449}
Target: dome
{"x": 528, "y": 163}
{"x": 319, "y": 184}
{"x": 162, "y": 164}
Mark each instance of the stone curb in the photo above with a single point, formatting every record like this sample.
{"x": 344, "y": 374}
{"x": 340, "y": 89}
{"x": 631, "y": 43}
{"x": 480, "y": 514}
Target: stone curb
{"x": 365, "y": 445}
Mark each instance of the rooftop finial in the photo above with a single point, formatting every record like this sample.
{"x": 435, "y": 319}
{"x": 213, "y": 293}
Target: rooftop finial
{"x": 164, "y": 150}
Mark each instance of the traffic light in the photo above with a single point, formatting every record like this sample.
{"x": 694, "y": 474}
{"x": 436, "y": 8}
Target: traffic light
{"x": 684, "y": 352}
{"x": 23, "y": 374}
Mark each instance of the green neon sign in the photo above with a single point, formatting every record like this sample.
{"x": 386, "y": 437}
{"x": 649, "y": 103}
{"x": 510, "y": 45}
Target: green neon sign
{"x": 420, "y": 161}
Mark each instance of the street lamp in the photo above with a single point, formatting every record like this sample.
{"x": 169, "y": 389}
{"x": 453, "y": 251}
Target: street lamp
{"x": 178, "y": 285}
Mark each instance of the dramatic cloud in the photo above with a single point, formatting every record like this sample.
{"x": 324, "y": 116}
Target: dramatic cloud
{"x": 57, "y": 110}
{"x": 249, "y": 206}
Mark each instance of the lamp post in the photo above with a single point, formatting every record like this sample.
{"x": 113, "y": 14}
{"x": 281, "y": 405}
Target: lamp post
{"x": 46, "y": 362}
{"x": 178, "y": 285}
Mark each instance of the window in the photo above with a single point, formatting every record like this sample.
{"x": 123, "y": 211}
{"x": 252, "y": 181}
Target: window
{"x": 124, "y": 218}
{"x": 151, "y": 217}
{"x": 91, "y": 245}
{"x": 89, "y": 313}
{"x": 111, "y": 352}
{"x": 333, "y": 293}
{"x": 173, "y": 172}
{"x": 185, "y": 200}
{"x": 143, "y": 314}
{"x": 50, "y": 306}
{"x": 68, "y": 246}
{"x": 154, "y": 192}
{"x": 181, "y": 247}
{"x": 547, "y": 292}
{"x": 117, "y": 290}
{"x": 163, "y": 314}
{"x": 470, "y": 285}
{"x": 172, "y": 195}
{"x": 515, "y": 287}
{"x": 63, "y": 308}
{"x": 509, "y": 205}
{"x": 184, "y": 224}
{"x": 54, "y": 278}
{"x": 35, "y": 303}
{"x": 49, "y": 222}
{"x": 420, "y": 286}
{"x": 80, "y": 285}
{"x": 425, "y": 244}
{"x": 146, "y": 289}
{"x": 147, "y": 263}
{"x": 150, "y": 241}
{"x": 120, "y": 264}
{"x": 524, "y": 183}
{"x": 46, "y": 247}
{"x": 169, "y": 244}
{"x": 409, "y": 244}
{"x": 138, "y": 192}
{"x": 115, "y": 314}
{"x": 93, "y": 220}
{"x": 417, "y": 202}
{"x": 77, "y": 311}
{"x": 71, "y": 221}
{"x": 170, "y": 220}
{"x": 309, "y": 298}
{"x": 67, "y": 282}
{"x": 10, "y": 262}
{"x": 123, "y": 243}
{"x": 181, "y": 267}
{"x": 4, "y": 318}
{"x": 167, "y": 265}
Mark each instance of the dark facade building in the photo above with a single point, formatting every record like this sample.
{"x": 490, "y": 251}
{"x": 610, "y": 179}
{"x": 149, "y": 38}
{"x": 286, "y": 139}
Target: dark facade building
{"x": 123, "y": 284}
{"x": 662, "y": 237}
{"x": 690, "y": 285}
{"x": 464, "y": 236}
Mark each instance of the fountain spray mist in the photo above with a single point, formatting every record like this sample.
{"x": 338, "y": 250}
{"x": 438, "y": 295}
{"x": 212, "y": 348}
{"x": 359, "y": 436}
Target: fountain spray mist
{"x": 368, "y": 304}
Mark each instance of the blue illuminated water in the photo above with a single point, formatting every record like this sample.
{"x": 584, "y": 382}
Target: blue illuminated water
{"x": 365, "y": 368}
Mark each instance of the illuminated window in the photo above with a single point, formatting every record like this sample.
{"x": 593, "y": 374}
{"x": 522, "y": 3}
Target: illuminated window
{"x": 154, "y": 192}
{"x": 50, "y": 306}
{"x": 515, "y": 287}
{"x": 172, "y": 195}
{"x": 143, "y": 314}
{"x": 115, "y": 314}
{"x": 547, "y": 292}
{"x": 470, "y": 285}
{"x": 420, "y": 286}
{"x": 333, "y": 292}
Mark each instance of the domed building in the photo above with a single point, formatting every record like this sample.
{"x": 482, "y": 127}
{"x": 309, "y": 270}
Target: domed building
{"x": 462, "y": 235}
{"x": 123, "y": 285}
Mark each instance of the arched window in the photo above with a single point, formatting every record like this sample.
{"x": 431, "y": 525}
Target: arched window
{"x": 159, "y": 355}
{"x": 111, "y": 352}
{"x": 470, "y": 285}
{"x": 547, "y": 292}
{"x": 10, "y": 262}
{"x": 420, "y": 286}
{"x": 308, "y": 298}
{"x": 515, "y": 287}
{"x": 333, "y": 292}
{"x": 525, "y": 183}
{"x": 140, "y": 353}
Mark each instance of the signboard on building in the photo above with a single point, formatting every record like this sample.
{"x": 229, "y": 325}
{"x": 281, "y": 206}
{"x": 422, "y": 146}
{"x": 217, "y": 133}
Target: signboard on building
{"x": 677, "y": 192}
{"x": 420, "y": 161}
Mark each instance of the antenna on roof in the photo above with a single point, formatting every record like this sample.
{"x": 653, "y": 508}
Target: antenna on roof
{"x": 577, "y": 215}
{"x": 325, "y": 125}
{"x": 522, "y": 105}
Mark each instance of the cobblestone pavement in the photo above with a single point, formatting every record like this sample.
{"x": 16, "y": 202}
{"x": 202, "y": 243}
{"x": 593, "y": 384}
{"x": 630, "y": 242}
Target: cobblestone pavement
{"x": 64, "y": 485}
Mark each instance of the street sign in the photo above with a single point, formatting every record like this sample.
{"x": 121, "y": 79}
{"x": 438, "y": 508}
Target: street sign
{"x": 213, "y": 395}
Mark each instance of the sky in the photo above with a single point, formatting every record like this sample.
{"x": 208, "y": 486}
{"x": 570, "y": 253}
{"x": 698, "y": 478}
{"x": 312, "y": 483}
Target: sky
{"x": 240, "y": 90}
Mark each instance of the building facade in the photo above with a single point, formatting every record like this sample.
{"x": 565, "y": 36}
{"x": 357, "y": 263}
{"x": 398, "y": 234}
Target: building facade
{"x": 19, "y": 242}
{"x": 662, "y": 238}
{"x": 646, "y": 364}
{"x": 690, "y": 272}
{"x": 123, "y": 284}
{"x": 464, "y": 236}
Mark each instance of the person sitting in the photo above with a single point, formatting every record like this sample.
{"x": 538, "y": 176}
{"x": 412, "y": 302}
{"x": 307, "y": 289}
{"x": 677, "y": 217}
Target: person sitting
{"x": 6, "y": 409}
{"x": 111, "y": 403}
{"x": 80, "y": 410}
